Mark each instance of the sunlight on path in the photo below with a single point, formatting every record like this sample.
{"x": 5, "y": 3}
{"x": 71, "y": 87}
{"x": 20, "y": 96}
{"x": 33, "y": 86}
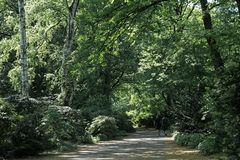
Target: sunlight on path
{"x": 145, "y": 145}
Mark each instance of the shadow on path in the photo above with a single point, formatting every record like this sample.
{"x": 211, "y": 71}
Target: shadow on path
{"x": 144, "y": 144}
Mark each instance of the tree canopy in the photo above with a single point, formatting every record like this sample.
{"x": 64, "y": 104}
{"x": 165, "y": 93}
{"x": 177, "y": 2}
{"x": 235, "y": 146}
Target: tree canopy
{"x": 122, "y": 59}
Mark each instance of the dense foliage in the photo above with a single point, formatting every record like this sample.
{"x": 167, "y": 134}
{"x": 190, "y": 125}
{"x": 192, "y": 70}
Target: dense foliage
{"x": 104, "y": 62}
{"x": 191, "y": 140}
{"x": 104, "y": 127}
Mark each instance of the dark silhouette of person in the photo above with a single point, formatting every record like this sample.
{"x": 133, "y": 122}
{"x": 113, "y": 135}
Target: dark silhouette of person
{"x": 164, "y": 125}
{"x": 158, "y": 123}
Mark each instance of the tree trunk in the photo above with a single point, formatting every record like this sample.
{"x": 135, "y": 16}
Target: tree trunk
{"x": 212, "y": 43}
{"x": 238, "y": 5}
{"x": 107, "y": 79}
{"x": 67, "y": 49}
{"x": 23, "y": 50}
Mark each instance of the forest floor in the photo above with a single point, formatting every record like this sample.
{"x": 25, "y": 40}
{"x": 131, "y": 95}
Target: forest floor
{"x": 142, "y": 145}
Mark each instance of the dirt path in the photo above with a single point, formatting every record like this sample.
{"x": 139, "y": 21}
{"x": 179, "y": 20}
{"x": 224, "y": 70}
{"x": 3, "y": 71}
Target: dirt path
{"x": 142, "y": 145}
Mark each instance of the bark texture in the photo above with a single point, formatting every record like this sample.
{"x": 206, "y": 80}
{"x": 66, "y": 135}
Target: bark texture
{"x": 72, "y": 10}
{"x": 23, "y": 50}
{"x": 212, "y": 43}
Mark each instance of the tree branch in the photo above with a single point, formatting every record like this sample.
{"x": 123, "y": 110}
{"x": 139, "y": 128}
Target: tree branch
{"x": 4, "y": 34}
{"x": 144, "y": 8}
{"x": 214, "y": 5}
{"x": 190, "y": 13}
{"x": 118, "y": 80}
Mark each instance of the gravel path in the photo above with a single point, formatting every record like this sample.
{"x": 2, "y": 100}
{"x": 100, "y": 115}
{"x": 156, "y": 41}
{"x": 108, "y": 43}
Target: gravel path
{"x": 142, "y": 145}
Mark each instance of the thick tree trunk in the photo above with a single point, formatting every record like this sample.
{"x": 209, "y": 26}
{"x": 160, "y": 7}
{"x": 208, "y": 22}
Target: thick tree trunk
{"x": 238, "y": 5}
{"x": 23, "y": 50}
{"x": 215, "y": 54}
{"x": 67, "y": 49}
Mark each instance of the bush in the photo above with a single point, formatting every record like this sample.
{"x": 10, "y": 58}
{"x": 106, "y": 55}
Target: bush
{"x": 29, "y": 128}
{"x": 208, "y": 146}
{"x": 18, "y": 122}
{"x": 27, "y": 138}
{"x": 8, "y": 119}
{"x": 62, "y": 124}
{"x": 88, "y": 139}
{"x": 103, "y": 127}
{"x": 191, "y": 140}
{"x": 8, "y": 122}
{"x": 124, "y": 123}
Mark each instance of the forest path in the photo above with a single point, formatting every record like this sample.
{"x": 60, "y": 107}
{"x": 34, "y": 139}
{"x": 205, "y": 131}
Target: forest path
{"x": 142, "y": 145}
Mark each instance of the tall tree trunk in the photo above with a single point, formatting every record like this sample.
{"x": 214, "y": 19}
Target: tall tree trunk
{"x": 67, "y": 49}
{"x": 212, "y": 43}
{"x": 107, "y": 90}
{"x": 238, "y": 5}
{"x": 23, "y": 50}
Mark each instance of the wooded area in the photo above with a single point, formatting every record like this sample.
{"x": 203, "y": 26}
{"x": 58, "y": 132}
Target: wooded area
{"x": 76, "y": 71}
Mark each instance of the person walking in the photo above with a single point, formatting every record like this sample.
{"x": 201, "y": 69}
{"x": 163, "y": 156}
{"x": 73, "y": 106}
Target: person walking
{"x": 164, "y": 125}
{"x": 157, "y": 123}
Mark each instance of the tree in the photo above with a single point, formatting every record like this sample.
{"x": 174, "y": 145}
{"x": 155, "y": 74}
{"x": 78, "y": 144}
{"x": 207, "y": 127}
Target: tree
{"x": 23, "y": 49}
{"x": 215, "y": 54}
{"x": 129, "y": 56}
{"x": 70, "y": 28}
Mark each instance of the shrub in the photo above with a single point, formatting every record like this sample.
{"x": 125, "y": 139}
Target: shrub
{"x": 27, "y": 139}
{"x": 104, "y": 127}
{"x": 29, "y": 128}
{"x": 124, "y": 123}
{"x": 208, "y": 146}
{"x": 8, "y": 120}
{"x": 88, "y": 139}
{"x": 62, "y": 124}
{"x": 19, "y": 134}
{"x": 191, "y": 140}
{"x": 180, "y": 139}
